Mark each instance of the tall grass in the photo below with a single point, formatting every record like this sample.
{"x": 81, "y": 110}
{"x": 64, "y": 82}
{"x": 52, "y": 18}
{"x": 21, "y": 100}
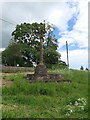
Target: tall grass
{"x": 45, "y": 100}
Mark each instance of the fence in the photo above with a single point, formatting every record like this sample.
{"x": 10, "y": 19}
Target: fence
{"x": 16, "y": 69}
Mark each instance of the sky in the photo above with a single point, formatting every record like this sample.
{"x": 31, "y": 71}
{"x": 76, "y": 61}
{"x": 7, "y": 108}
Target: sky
{"x": 69, "y": 16}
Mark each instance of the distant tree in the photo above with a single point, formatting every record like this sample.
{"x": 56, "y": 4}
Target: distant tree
{"x": 81, "y": 68}
{"x": 87, "y": 69}
{"x": 12, "y": 55}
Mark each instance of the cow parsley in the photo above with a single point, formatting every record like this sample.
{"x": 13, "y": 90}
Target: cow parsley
{"x": 77, "y": 106}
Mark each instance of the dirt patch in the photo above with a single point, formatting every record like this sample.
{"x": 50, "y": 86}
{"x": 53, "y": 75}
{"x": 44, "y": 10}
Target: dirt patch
{"x": 0, "y": 82}
{"x": 5, "y": 82}
{"x": 7, "y": 74}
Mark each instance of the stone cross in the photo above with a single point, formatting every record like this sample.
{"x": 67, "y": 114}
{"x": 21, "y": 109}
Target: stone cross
{"x": 41, "y": 48}
{"x": 40, "y": 69}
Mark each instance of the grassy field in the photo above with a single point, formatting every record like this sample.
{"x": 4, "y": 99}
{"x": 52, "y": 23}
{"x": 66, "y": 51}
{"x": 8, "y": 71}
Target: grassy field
{"x": 22, "y": 99}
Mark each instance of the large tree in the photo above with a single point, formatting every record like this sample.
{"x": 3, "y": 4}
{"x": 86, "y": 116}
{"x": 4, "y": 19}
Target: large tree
{"x": 28, "y": 36}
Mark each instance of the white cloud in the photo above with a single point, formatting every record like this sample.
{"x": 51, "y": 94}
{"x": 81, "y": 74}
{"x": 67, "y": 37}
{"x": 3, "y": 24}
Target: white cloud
{"x": 75, "y": 36}
{"x": 60, "y": 15}
{"x": 79, "y": 34}
{"x": 77, "y": 58}
{"x": 56, "y": 13}
{"x": 35, "y": 0}
{"x": 2, "y": 49}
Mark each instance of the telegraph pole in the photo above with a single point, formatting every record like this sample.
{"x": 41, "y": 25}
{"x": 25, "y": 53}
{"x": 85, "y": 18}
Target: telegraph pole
{"x": 67, "y": 54}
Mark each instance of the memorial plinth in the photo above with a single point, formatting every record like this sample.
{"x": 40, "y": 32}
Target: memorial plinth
{"x": 41, "y": 71}
{"x": 46, "y": 77}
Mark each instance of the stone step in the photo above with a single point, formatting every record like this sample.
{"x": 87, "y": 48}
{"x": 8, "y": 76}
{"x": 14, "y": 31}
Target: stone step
{"x": 46, "y": 81}
{"x": 47, "y": 78}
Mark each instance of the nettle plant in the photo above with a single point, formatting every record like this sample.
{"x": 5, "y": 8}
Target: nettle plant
{"x": 76, "y": 106}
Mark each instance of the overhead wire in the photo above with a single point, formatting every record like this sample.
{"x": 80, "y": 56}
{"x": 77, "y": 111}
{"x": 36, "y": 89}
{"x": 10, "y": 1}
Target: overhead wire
{"x": 7, "y": 21}
{"x": 15, "y": 24}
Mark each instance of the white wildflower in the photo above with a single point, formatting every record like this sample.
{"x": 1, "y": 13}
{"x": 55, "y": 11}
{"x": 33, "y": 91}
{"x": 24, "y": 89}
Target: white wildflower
{"x": 82, "y": 107}
{"x": 82, "y": 101}
{"x": 71, "y": 110}
{"x": 79, "y": 99}
{"x": 76, "y": 103}
{"x": 70, "y": 103}
{"x": 68, "y": 114}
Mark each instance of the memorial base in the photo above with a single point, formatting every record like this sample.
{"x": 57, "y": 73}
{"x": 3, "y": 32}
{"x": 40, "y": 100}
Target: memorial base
{"x": 41, "y": 70}
{"x": 41, "y": 75}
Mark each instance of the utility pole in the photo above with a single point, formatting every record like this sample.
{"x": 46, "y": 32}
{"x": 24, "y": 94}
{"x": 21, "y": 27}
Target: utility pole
{"x": 67, "y": 54}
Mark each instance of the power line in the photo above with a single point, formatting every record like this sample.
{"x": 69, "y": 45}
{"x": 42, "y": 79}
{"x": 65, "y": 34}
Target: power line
{"x": 7, "y": 21}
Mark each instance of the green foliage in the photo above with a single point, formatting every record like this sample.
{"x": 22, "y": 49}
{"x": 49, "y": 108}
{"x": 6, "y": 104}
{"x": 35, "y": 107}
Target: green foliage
{"x": 59, "y": 65}
{"x": 12, "y": 55}
{"x": 25, "y": 47}
{"x": 47, "y": 100}
{"x": 28, "y": 33}
{"x": 52, "y": 57}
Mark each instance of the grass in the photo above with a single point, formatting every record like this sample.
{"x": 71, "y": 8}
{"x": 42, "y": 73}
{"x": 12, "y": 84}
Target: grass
{"x": 46, "y": 100}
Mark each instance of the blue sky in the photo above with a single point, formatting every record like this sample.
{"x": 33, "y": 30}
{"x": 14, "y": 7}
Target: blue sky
{"x": 70, "y": 23}
{"x": 72, "y": 46}
{"x": 70, "y": 19}
{"x": 78, "y": 43}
